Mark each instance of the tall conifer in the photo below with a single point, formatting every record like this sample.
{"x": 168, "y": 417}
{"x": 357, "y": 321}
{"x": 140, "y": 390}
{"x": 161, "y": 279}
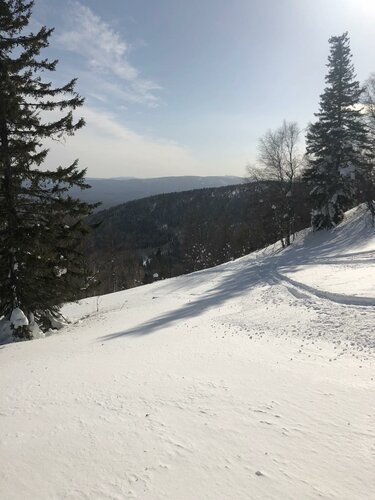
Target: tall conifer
{"x": 40, "y": 224}
{"x": 337, "y": 143}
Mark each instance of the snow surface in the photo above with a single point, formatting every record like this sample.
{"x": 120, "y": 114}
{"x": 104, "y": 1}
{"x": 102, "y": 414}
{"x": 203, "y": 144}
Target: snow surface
{"x": 251, "y": 380}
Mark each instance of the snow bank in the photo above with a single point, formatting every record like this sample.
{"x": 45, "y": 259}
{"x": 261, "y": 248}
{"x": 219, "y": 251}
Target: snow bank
{"x": 337, "y": 265}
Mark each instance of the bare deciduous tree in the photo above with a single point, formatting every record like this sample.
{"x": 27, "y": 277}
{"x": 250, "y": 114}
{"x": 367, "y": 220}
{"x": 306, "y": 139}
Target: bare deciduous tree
{"x": 367, "y": 186}
{"x": 280, "y": 160}
{"x": 369, "y": 101}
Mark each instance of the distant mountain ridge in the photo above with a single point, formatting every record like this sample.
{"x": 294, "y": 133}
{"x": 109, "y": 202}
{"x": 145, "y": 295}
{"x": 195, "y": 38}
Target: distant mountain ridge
{"x": 115, "y": 191}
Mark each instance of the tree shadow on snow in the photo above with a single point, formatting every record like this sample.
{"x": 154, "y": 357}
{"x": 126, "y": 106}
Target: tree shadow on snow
{"x": 232, "y": 285}
{"x": 236, "y": 279}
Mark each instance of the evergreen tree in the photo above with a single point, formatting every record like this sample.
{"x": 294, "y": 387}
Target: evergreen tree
{"x": 41, "y": 226}
{"x": 338, "y": 148}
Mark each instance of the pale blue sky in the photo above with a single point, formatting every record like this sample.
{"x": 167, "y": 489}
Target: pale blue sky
{"x": 179, "y": 87}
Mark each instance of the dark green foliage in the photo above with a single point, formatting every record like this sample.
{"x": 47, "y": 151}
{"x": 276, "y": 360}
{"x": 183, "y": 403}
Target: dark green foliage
{"x": 40, "y": 226}
{"x": 172, "y": 234}
{"x": 337, "y": 144}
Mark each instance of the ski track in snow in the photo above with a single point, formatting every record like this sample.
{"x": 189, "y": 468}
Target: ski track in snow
{"x": 251, "y": 380}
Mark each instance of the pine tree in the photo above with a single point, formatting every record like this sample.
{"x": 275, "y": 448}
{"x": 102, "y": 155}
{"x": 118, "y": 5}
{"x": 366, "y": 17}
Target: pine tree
{"x": 41, "y": 226}
{"x": 337, "y": 144}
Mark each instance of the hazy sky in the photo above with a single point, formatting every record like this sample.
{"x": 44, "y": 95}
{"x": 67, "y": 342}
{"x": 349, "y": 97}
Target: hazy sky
{"x": 186, "y": 87}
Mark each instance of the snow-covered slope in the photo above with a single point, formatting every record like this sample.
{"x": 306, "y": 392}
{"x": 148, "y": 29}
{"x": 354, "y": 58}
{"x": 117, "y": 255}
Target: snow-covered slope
{"x": 251, "y": 380}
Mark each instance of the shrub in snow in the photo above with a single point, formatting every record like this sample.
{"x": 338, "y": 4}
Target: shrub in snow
{"x": 19, "y": 324}
{"x": 18, "y": 318}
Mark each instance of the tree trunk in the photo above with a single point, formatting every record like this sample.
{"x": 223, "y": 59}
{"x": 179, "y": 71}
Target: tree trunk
{"x": 11, "y": 214}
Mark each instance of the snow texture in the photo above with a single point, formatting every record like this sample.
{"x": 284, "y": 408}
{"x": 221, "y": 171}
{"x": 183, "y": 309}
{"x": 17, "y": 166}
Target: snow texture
{"x": 251, "y": 380}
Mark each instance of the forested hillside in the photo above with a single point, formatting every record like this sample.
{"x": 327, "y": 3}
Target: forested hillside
{"x": 167, "y": 235}
{"x": 112, "y": 192}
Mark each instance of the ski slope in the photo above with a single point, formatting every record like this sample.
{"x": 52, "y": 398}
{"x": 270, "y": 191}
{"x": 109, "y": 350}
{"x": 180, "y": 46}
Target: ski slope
{"x": 250, "y": 380}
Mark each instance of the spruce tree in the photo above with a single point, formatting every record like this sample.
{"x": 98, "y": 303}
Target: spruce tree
{"x": 41, "y": 226}
{"x": 337, "y": 144}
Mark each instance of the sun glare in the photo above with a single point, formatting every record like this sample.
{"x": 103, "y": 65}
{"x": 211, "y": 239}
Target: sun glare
{"x": 366, "y": 6}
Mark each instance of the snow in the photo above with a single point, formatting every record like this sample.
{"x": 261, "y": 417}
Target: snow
{"x": 18, "y": 318}
{"x": 246, "y": 381}
{"x": 6, "y": 332}
{"x": 60, "y": 271}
